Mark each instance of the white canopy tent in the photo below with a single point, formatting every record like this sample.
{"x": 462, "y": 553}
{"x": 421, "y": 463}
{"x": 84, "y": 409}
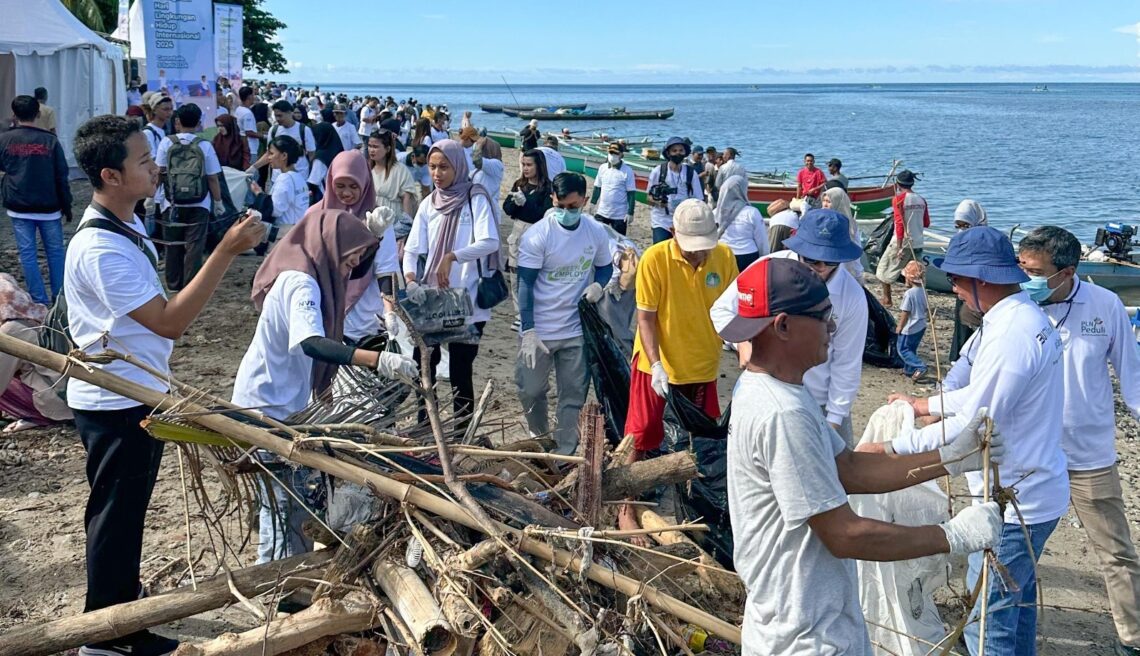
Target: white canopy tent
{"x": 132, "y": 32}
{"x": 43, "y": 45}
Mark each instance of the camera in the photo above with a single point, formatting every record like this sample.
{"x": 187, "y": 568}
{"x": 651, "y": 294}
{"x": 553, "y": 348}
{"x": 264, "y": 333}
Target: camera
{"x": 661, "y": 191}
{"x": 1116, "y": 239}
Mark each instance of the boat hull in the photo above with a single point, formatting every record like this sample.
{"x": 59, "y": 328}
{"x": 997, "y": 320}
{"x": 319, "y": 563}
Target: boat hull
{"x": 498, "y": 109}
{"x": 650, "y": 115}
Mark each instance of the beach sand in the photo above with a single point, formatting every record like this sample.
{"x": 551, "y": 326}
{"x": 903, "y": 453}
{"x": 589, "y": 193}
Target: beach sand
{"x": 43, "y": 489}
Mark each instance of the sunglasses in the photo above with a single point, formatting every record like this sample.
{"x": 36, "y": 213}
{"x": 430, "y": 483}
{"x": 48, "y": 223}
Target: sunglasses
{"x": 952, "y": 279}
{"x": 810, "y": 262}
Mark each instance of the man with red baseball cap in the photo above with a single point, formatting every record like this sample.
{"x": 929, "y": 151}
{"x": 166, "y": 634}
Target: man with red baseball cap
{"x": 789, "y": 473}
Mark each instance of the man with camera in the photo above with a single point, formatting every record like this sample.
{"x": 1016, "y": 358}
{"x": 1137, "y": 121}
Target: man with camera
{"x": 669, "y": 185}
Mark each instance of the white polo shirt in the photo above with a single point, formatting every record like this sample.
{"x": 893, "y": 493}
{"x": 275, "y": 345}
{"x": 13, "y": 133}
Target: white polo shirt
{"x": 1017, "y": 373}
{"x": 1095, "y": 330}
{"x": 834, "y": 383}
{"x": 615, "y": 185}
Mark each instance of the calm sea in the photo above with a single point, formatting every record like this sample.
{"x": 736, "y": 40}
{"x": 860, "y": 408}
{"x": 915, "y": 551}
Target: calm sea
{"x": 1067, "y": 156}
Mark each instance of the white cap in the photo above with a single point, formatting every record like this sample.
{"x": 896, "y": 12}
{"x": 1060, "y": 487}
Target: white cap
{"x": 694, "y": 226}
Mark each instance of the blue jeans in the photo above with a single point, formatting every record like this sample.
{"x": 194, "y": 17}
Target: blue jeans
{"x": 908, "y": 351}
{"x": 52, "y": 234}
{"x": 1011, "y": 628}
{"x": 281, "y": 516}
{"x": 661, "y": 234}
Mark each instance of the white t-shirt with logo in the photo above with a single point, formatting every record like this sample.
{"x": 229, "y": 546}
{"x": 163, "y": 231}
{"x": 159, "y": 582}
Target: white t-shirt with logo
{"x": 679, "y": 180}
{"x": 247, "y": 123}
{"x": 290, "y": 198}
{"x": 615, "y": 185}
{"x": 106, "y": 277}
{"x": 307, "y": 145}
{"x": 566, "y": 260}
{"x": 363, "y": 318}
{"x": 212, "y": 167}
{"x": 802, "y": 600}
{"x": 290, "y": 314}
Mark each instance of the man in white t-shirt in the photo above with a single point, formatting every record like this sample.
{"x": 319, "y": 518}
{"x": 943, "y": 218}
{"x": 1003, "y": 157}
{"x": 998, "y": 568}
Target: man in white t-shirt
{"x": 288, "y": 125}
{"x": 562, "y": 257}
{"x": 369, "y": 120}
{"x": 159, "y": 109}
{"x": 615, "y": 188}
{"x": 188, "y": 222}
{"x": 795, "y": 538}
{"x": 116, "y": 301}
{"x": 1013, "y": 366}
{"x": 1095, "y": 331}
{"x": 349, "y": 137}
{"x": 246, "y": 121}
{"x": 679, "y": 177}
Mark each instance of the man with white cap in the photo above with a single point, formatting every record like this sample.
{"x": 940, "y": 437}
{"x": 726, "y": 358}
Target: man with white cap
{"x": 1013, "y": 366}
{"x": 349, "y": 137}
{"x": 795, "y": 537}
{"x": 676, "y": 347}
{"x": 823, "y": 243}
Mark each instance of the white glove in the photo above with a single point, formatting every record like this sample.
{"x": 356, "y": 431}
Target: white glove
{"x": 392, "y": 324}
{"x": 954, "y": 455}
{"x": 416, "y": 293}
{"x": 219, "y": 209}
{"x": 530, "y": 347}
{"x": 379, "y": 220}
{"x": 974, "y": 528}
{"x": 251, "y": 172}
{"x": 518, "y": 198}
{"x": 593, "y": 293}
{"x": 613, "y": 288}
{"x": 660, "y": 381}
{"x": 394, "y": 365}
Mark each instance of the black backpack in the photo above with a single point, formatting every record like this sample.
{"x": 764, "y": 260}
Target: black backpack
{"x": 55, "y": 335}
{"x": 662, "y": 173}
{"x": 186, "y": 172}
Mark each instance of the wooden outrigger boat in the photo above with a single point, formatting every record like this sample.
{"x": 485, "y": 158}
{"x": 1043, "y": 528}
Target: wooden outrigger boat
{"x": 498, "y": 109}
{"x": 616, "y": 114}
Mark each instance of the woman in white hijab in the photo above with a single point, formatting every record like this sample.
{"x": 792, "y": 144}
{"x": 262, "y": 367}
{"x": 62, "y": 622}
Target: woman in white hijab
{"x": 838, "y": 200}
{"x": 969, "y": 214}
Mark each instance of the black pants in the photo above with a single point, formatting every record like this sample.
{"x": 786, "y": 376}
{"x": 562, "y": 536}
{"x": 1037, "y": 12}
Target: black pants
{"x": 619, "y": 226}
{"x": 122, "y": 466}
{"x": 187, "y": 230}
{"x": 742, "y": 261}
{"x": 462, "y": 371}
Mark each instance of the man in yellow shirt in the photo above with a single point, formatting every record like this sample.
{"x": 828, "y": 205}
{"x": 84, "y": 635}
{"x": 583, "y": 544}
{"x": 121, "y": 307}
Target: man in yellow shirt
{"x": 46, "y": 119}
{"x": 676, "y": 346}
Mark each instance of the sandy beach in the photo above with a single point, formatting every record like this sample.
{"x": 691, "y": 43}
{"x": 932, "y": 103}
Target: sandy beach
{"x": 43, "y": 489}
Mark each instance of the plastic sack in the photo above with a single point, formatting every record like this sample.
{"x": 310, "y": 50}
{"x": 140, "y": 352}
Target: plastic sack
{"x": 442, "y": 316}
{"x": 705, "y": 499}
{"x": 608, "y": 367}
{"x": 881, "y": 347}
{"x": 877, "y": 243}
{"x": 899, "y": 594}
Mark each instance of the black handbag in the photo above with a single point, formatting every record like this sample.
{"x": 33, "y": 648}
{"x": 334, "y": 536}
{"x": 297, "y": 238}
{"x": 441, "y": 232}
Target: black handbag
{"x": 492, "y": 289}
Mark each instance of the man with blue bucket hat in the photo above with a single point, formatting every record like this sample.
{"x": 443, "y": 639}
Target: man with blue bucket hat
{"x": 1012, "y": 365}
{"x": 823, "y": 242}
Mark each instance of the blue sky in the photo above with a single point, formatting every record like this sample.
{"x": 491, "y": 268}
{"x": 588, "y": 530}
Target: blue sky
{"x": 729, "y": 41}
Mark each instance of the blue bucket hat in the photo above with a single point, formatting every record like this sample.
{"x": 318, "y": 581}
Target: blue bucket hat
{"x": 677, "y": 141}
{"x": 825, "y": 236}
{"x": 983, "y": 253}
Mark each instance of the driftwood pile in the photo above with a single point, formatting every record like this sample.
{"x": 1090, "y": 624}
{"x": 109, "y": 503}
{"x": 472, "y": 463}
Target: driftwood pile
{"x": 462, "y": 549}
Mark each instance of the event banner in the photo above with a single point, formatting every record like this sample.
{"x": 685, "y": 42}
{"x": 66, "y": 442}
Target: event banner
{"x": 180, "y": 52}
{"x": 228, "y": 43}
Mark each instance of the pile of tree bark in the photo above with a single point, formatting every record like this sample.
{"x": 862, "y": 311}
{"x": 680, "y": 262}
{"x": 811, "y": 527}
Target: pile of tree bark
{"x": 463, "y": 549}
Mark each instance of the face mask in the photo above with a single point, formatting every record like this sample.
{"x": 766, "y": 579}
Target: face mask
{"x": 1038, "y": 288}
{"x": 676, "y": 159}
{"x": 614, "y": 159}
{"x": 567, "y": 217}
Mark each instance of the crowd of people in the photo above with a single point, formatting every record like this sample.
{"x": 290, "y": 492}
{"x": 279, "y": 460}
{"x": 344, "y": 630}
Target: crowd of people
{"x": 360, "y": 202}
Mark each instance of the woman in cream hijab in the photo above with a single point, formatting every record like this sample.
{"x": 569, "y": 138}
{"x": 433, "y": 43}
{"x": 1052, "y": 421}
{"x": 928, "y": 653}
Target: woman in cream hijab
{"x": 837, "y": 199}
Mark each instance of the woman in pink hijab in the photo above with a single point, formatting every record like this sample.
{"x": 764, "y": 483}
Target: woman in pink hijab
{"x": 348, "y": 187}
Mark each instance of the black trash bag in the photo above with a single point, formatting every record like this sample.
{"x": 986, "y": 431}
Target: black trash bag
{"x": 688, "y": 428}
{"x": 609, "y": 369}
{"x": 877, "y": 243}
{"x": 881, "y": 347}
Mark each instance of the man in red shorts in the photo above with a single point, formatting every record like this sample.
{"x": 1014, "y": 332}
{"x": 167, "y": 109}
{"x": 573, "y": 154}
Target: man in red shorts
{"x": 676, "y": 346}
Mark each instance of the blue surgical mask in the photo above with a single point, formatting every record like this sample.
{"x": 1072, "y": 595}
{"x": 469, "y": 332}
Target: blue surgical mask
{"x": 1038, "y": 288}
{"x": 567, "y": 217}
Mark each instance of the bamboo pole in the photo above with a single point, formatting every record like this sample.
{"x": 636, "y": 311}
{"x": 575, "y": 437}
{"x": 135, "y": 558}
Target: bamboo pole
{"x": 326, "y": 617}
{"x": 377, "y": 483}
{"x": 116, "y": 621}
{"x": 985, "y": 601}
{"x": 413, "y": 602}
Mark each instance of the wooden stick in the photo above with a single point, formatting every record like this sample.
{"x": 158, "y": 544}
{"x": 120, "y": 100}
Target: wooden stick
{"x": 477, "y": 556}
{"x": 638, "y": 531}
{"x": 326, "y": 617}
{"x": 712, "y": 574}
{"x": 117, "y": 621}
{"x": 632, "y": 479}
{"x": 985, "y": 601}
{"x": 379, "y": 484}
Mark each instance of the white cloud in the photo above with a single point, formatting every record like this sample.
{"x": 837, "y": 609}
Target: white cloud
{"x": 293, "y": 65}
{"x": 1134, "y": 30}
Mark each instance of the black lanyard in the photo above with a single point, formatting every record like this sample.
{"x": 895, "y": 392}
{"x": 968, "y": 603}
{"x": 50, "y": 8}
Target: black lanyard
{"x": 1069, "y": 302}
